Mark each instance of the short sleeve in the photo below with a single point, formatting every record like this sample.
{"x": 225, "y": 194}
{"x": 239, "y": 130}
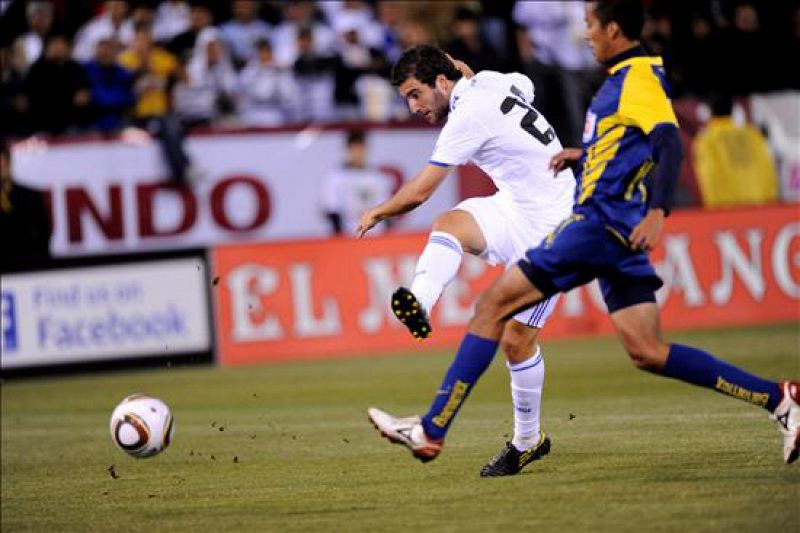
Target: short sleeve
{"x": 524, "y": 84}
{"x": 644, "y": 102}
{"x": 458, "y": 141}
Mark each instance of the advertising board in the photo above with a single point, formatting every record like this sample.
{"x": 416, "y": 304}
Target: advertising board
{"x": 122, "y": 311}
{"x": 330, "y": 298}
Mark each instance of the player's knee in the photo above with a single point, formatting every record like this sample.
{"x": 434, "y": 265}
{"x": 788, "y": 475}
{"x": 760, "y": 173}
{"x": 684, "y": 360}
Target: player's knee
{"x": 463, "y": 228}
{"x": 485, "y": 319}
{"x": 448, "y": 222}
{"x": 511, "y": 346}
{"x": 518, "y": 341}
{"x": 516, "y": 350}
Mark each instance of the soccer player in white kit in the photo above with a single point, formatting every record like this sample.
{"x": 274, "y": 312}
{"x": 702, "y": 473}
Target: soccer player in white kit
{"x": 492, "y": 123}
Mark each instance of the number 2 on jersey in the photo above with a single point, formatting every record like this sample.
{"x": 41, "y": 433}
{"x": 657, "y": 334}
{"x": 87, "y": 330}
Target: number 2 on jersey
{"x": 527, "y": 122}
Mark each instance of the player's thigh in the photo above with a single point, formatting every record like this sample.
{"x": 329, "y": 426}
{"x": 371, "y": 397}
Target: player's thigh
{"x": 510, "y": 293}
{"x": 463, "y": 226}
{"x": 518, "y": 341}
{"x": 491, "y": 217}
{"x": 639, "y": 329}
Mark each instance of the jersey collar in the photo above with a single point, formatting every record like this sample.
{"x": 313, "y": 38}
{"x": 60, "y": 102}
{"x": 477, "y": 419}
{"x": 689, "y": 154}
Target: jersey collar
{"x": 458, "y": 88}
{"x": 622, "y": 59}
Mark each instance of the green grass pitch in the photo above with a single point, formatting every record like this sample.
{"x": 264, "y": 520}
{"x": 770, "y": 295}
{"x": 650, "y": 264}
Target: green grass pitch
{"x": 288, "y": 448}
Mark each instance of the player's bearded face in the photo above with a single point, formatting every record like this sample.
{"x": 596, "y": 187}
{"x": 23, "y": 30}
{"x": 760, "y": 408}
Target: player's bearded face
{"x": 430, "y": 103}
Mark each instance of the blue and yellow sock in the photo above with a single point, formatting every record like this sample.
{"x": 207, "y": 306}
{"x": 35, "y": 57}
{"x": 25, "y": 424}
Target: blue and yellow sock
{"x": 700, "y": 368}
{"x": 472, "y": 359}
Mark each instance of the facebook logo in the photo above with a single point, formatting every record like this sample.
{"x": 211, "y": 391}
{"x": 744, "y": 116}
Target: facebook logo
{"x": 9, "y": 322}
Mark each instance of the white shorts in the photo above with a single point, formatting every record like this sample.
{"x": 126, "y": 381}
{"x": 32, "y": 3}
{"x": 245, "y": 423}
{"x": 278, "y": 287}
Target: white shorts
{"x": 508, "y": 237}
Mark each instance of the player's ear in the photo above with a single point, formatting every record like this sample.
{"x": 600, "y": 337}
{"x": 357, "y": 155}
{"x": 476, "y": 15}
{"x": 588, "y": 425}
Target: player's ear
{"x": 441, "y": 82}
{"x": 613, "y": 30}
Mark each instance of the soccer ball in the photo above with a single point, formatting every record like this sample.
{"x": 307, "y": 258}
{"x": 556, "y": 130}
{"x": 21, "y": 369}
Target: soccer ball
{"x": 141, "y": 425}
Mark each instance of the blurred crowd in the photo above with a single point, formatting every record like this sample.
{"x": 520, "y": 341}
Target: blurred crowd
{"x": 98, "y": 66}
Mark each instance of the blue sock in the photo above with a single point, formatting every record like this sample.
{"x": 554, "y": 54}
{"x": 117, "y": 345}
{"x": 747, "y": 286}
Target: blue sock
{"x": 698, "y": 367}
{"x": 472, "y": 359}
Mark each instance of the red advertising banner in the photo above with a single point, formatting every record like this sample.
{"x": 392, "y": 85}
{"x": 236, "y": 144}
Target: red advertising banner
{"x": 330, "y": 298}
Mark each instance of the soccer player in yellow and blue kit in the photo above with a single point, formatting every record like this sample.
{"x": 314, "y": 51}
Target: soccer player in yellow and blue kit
{"x": 628, "y": 168}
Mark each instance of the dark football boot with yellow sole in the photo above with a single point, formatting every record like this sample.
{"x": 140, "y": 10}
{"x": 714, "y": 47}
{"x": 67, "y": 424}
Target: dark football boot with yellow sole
{"x": 510, "y": 460}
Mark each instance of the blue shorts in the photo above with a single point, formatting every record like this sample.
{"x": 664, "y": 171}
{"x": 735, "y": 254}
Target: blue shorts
{"x": 581, "y": 249}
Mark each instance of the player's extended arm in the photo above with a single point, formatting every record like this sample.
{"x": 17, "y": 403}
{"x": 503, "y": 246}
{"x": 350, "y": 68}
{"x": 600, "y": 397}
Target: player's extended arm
{"x": 412, "y": 194}
{"x": 462, "y": 67}
{"x": 668, "y": 152}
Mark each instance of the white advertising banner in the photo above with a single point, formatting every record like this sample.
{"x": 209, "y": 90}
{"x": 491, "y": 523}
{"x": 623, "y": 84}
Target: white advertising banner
{"x": 76, "y": 315}
{"x": 112, "y": 196}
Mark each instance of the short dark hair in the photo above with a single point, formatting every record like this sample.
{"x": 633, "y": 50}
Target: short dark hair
{"x": 721, "y": 104}
{"x": 356, "y": 137}
{"x": 57, "y": 36}
{"x": 305, "y": 32}
{"x": 628, "y": 14}
{"x": 423, "y": 62}
{"x": 464, "y": 13}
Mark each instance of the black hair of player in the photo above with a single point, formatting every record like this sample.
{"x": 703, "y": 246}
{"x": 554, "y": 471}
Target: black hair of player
{"x": 721, "y": 104}
{"x": 263, "y": 43}
{"x": 628, "y": 14}
{"x": 464, "y": 13}
{"x": 305, "y": 32}
{"x": 356, "y": 137}
{"x": 143, "y": 26}
{"x": 425, "y": 63}
{"x": 57, "y": 36}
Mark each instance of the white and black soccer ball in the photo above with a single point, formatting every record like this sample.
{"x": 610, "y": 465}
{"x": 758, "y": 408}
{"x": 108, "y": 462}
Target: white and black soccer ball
{"x": 141, "y": 425}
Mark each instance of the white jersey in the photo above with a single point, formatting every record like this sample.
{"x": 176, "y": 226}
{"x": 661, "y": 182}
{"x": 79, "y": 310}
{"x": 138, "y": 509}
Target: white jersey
{"x": 493, "y": 124}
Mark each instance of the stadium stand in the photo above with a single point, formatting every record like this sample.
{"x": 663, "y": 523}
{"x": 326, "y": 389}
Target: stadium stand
{"x": 163, "y": 69}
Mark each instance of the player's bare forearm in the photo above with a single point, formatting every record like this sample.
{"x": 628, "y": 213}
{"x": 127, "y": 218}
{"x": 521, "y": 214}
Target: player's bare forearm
{"x": 646, "y": 234}
{"x": 412, "y": 194}
{"x": 407, "y": 198}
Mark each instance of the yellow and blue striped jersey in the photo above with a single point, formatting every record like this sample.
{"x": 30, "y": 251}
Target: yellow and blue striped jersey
{"x": 617, "y": 154}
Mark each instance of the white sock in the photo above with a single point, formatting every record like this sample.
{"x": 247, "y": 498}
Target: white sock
{"x": 527, "y": 379}
{"x": 437, "y": 266}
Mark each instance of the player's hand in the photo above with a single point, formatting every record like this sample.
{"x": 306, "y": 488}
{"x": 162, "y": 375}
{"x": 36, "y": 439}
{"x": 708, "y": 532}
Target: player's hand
{"x": 564, "y": 158}
{"x": 367, "y": 221}
{"x": 646, "y": 234}
{"x": 462, "y": 67}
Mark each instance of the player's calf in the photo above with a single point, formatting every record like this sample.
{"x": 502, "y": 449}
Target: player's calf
{"x": 648, "y": 356}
